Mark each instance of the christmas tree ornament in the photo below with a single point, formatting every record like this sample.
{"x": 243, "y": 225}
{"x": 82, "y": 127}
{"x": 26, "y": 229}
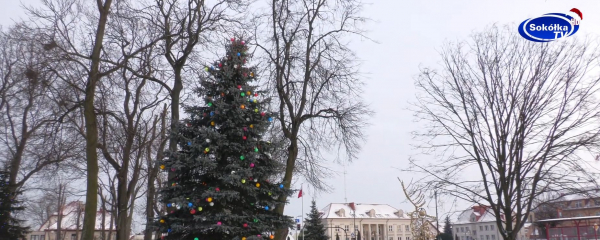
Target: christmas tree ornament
{"x": 256, "y": 110}
{"x": 220, "y": 65}
{"x": 251, "y": 74}
{"x": 256, "y": 149}
{"x": 235, "y": 66}
{"x": 243, "y": 180}
{"x": 162, "y": 167}
{"x": 193, "y": 211}
{"x": 248, "y": 92}
{"x": 244, "y": 137}
{"x": 189, "y": 143}
{"x": 256, "y": 94}
{"x": 243, "y": 238}
{"x": 209, "y": 199}
{"x": 219, "y": 223}
{"x": 208, "y": 140}
{"x": 258, "y": 185}
{"x": 280, "y": 185}
{"x": 245, "y": 225}
{"x": 239, "y": 54}
{"x": 190, "y": 205}
{"x": 206, "y": 149}
{"x": 200, "y": 209}
{"x": 269, "y": 193}
{"x": 266, "y": 207}
{"x": 245, "y": 129}
{"x": 162, "y": 221}
{"x": 262, "y": 114}
{"x": 210, "y": 104}
{"x": 242, "y": 94}
{"x": 212, "y": 114}
{"x": 242, "y": 157}
{"x": 255, "y": 220}
{"x": 206, "y": 69}
{"x": 251, "y": 125}
{"x": 212, "y": 123}
{"x": 242, "y": 42}
{"x": 255, "y": 101}
{"x": 217, "y": 189}
{"x": 239, "y": 86}
{"x": 233, "y": 39}
{"x": 251, "y": 165}
{"x": 271, "y": 237}
{"x": 270, "y": 119}
{"x": 232, "y": 172}
{"x": 169, "y": 205}
{"x": 243, "y": 106}
{"x": 211, "y": 204}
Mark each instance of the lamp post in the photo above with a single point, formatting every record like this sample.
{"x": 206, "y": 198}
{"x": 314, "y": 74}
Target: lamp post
{"x": 301, "y": 224}
{"x": 345, "y": 232}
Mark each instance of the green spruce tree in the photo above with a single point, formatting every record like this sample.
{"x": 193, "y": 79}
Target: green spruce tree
{"x": 314, "y": 229}
{"x": 447, "y": 233}
{"x": 10, "y": 227}
{"x": 223, "y": 176}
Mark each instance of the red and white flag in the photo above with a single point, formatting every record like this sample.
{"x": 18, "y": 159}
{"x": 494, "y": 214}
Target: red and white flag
{"x": 300, "y": 193}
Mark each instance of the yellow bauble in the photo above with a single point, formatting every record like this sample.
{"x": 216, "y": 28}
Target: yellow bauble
{"x": 199, "y": 208}
{"x": 243, "y": 180}
{"x": 209, "y": 199}
{"x": 243, "y": 238}
{"x": 251, "y": 126}
{"x": 162, "y": 166}
{"x": 256, "y": 110}
{"x": 258, "y": 185}
{"x": 248, "y": 92}
{"x": 212, "y": 123}
{"x": 243, "y": 107}
{"x": 162, "y": 221}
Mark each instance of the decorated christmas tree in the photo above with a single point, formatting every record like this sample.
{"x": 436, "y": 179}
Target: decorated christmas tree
{"x": 314, "y": 228}
{"x": 10, "y": 227}
{"x": 222, "y": 183}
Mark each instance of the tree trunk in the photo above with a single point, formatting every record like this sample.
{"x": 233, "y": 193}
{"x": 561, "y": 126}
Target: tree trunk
{"x": 91, "y": 127}
{"x": 153, "y": 173}
{"x": 281, "y": 234}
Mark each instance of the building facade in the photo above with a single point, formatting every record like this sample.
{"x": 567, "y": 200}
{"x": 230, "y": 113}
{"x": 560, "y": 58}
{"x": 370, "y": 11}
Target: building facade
{"x": 71, "y": 224}
{"x": 374, "y": 221}
{"x": 479, "y": 223}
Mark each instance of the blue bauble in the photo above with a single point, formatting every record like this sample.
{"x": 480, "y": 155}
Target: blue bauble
{"x": 190, "y": 204}
{"x": 266, "y": 207}
{"x": 239, "y": 54}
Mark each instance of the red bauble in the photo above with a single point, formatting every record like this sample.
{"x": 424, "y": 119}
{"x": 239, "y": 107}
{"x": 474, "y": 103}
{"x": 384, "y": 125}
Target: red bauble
{"x": 217, "y": 189}
{"x": 239, "y": 86}
{"x": 244, "y": 137}
{"x": 256, "y": 94}
{"x": 262, "y": 114}
{"x": 245, "y": 225}
{"x": 233, "y": 39}
{"x": 220, "y": 64}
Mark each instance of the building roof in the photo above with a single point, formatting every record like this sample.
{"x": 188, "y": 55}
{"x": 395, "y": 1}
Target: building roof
{"x": 382, "y": 211}
{"x": 476, "y": 214}
{"x": 70, "y": 216}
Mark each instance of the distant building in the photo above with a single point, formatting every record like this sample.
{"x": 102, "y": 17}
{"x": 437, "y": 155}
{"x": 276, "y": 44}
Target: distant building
{"x": 71, "y": 224}
{"x": 375, "y": 222}
{"x": 479, "y": 223}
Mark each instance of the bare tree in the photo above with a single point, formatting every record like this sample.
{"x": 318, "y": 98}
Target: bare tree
{"x": 507, "y": 120}
{"x": 316, "y": 78}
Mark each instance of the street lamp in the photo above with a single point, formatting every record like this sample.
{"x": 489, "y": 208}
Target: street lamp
{"x": 302, "y": 224}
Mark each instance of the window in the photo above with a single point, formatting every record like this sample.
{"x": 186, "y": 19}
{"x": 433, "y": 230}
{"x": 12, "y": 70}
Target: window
{"x": 486, "y": 227}
{"x": 407, "y": 228}
{"x": 492, "y": 227}
{"x": 337, "y": 228}
{"x": 391, "y": 228}
{"x": 578, "y": 204}
{"x": 487, "y": 237}
{"x": 34, "y": 237}
{"x": 399, "y": 228}
{"x": 481, "y": 237}
{"x": 399, "y": 238}
{"x": 480, "y": 228}
{"x": 407, "y": 238}
{"x": 347, "y": 227}
{"x": 494, "y": 236}
{"x": 73, "y": 236}
{"x": 42, "y": 237}
{"x": 597, "y": 202}
{"x": 467, "y": 229}
{"x": 597, "y": 213}
{"x": 391, "y": 238}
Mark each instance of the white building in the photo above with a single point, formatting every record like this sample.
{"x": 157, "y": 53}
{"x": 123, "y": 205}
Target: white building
{"x": 374, "y": 221}
{"x": 479, "y": 223}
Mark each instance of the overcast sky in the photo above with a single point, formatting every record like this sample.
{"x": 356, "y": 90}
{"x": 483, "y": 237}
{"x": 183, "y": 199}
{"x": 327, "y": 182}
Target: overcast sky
{"x": 409, "y": 34}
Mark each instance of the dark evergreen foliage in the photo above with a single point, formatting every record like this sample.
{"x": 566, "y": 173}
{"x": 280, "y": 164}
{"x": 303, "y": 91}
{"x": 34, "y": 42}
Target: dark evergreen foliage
{"x": 222, "y": 184}
{"x": 314, "y": 229}
{"x": 11, "y": 228}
